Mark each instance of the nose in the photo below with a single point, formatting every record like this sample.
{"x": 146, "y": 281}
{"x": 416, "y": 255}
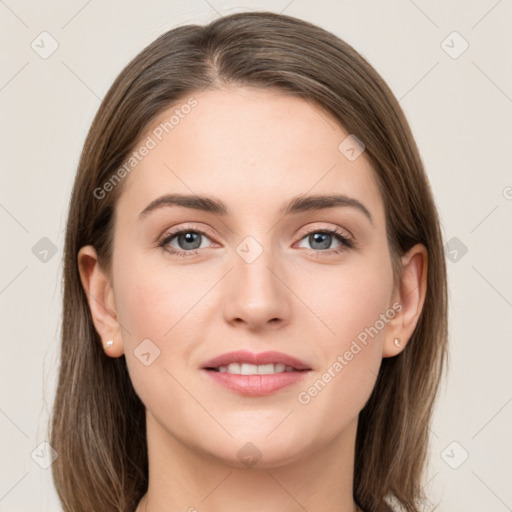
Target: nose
{"x": 256, "y": 294}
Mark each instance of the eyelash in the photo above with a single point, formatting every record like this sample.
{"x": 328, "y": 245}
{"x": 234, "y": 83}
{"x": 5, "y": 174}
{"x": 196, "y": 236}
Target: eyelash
{"x": 347, "y": 243}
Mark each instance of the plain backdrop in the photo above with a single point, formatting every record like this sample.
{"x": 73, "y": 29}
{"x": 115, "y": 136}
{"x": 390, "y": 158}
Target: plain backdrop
{"x": 449, "y": 64}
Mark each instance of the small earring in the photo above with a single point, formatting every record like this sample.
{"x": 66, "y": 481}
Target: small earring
{"x": 396, "y": 341}
{"x": 109, "y": 344}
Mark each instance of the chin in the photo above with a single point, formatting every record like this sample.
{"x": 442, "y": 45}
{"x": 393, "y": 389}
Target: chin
{"x": 253, "y": 450}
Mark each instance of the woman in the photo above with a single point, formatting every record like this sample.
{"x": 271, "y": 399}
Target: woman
{"x": 254, "y": 284}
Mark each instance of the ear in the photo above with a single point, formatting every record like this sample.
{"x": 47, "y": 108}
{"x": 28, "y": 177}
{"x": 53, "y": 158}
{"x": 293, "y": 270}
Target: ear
{"x": 100, "y": 296}
{"x": 410, "y": 295}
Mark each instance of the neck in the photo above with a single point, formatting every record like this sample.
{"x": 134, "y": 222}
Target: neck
{"x": 183, "y": 478}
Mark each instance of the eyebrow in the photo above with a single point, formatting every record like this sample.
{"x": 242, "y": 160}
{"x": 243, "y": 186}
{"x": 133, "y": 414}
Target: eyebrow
{"x": 297, "y": 204}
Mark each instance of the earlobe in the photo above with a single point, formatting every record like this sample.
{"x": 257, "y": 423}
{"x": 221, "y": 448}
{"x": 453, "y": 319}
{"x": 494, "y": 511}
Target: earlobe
{"x": 411, "y": 297}
{"x": 100, "y": 296}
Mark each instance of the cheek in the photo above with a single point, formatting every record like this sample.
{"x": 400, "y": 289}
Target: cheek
{"x": 354, "y": 306}
{"x": 164, "y": 304}
{"x": 146, "y": 304}
{"x": 153, "y": 294}
{"x": 149, "y": 307}
{"x": 350, "y": 299}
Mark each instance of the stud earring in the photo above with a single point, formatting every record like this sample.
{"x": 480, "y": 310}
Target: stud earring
{"x": 396, "y": 341}
{"x": 109, "y": 344}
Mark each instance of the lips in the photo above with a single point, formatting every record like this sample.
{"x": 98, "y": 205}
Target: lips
{"x": 263, "y": 358}
{"x": 250, "y": 374}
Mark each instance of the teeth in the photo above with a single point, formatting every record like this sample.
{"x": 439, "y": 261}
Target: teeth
{"x": 253, "y": 369}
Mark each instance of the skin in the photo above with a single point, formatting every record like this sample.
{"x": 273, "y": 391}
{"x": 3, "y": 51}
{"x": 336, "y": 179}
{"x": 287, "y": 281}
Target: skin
{"x": 254, "y": 150}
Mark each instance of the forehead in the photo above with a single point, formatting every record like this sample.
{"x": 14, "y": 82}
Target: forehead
{"x": 254, "y": 148}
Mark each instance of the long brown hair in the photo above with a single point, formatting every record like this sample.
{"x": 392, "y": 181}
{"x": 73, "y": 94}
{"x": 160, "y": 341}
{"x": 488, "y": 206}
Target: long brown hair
{"x": 98, "y": 422}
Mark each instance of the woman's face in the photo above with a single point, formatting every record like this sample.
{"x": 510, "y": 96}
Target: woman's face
{"x": 254, "y": 275}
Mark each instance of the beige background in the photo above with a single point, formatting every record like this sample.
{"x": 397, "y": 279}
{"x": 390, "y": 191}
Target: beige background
{"x": 460, "y": 112}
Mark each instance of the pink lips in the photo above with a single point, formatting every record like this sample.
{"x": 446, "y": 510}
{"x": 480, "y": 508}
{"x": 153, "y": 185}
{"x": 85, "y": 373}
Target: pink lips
{"x": 255, "y": 385}
{"x": 244, "y": 356}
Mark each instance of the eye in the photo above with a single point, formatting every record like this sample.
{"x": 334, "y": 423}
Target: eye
{"x": 188, "y": 242}
{"x": 321, "y": 240}
{"x": 185, "y": 242}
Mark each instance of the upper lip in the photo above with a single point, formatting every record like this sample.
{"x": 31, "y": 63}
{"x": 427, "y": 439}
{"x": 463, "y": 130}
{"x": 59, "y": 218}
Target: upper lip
{"x": 244, "y": 356}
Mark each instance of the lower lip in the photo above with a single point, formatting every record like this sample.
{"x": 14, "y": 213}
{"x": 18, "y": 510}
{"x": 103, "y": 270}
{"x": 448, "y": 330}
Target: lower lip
{"x": 256, "y": 385}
